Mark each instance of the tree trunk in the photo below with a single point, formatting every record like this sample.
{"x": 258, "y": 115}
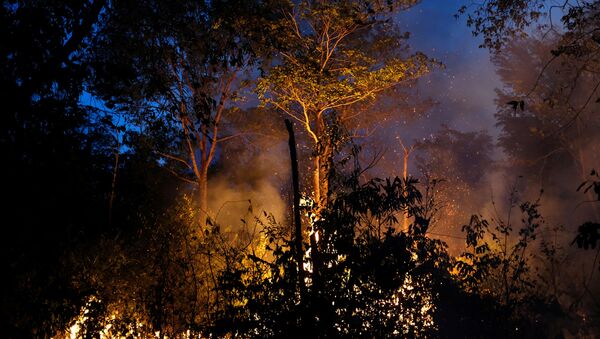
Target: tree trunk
{"x": 405, "y": 177}
{"x": 113, "y": 185}
{"x": 317, "y": 179}
{"x": 321, "y": 162}
{"x": 407, "y": 151}
{"x": 297, "y": 218}
{"x": 203, "y": 196}
{"x": 326, "y": 165}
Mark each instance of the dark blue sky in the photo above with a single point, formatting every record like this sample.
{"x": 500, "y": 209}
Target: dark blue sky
{"x": 465, "y": 88}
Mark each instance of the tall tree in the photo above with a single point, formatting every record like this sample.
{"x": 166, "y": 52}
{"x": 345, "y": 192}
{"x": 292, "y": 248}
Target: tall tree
{"x": 335, "y": 54}
{"x": 574, "y": 41}
{"x": 533, "y": 133}
{"x": 54, "y": 162}
{"x": 182, "y": 64}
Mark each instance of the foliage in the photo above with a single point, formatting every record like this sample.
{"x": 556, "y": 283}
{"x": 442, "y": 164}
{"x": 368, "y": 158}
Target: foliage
{"x": 333, "y": 55}
{"x": 589, "y": 232}
{"x": 181, "y": 66}
{"x": 365, "y": 280}
{"x": 54, "y": 162}
{"x": 501, "y": 21}
{"x": 575, "y": 41}
{"x": 504, "y": 266}
{"x": 494, "y": 262}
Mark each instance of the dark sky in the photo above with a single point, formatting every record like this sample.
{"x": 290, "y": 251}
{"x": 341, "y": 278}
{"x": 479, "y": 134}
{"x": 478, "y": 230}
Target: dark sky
{"x": 465, "y": 88}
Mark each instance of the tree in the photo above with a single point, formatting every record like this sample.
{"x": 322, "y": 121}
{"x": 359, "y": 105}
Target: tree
{"x": 56, "y": 156}
{"x": 533, "y": 135}
{"x": 184, "y": 68}
{"x": 334, "y": 55}
{"x": 575, "y": 42}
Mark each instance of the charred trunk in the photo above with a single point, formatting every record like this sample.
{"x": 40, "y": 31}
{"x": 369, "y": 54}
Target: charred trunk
{"x": 298, "y": 251}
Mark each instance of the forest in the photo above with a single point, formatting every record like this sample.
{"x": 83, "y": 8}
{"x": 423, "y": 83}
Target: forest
{"x": 300, "y": 168}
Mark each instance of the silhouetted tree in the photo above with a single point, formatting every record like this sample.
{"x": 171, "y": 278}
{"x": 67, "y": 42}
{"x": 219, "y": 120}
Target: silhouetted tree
{"x": 56, "y": 162}
{"x": 183, "y": 64}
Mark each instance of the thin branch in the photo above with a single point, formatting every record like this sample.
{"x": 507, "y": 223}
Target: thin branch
{"x": 229, "y": 137}
{"x": 286, "y": 111}
{"x": 539, "y": 77}
{"x": 172, "y": 157}
{"x": 180, "y": 177}
{"x": 578, "y": 112}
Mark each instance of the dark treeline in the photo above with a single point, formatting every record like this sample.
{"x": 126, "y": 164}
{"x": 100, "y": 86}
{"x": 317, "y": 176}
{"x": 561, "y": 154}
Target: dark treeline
{"x": 148, "y": 191}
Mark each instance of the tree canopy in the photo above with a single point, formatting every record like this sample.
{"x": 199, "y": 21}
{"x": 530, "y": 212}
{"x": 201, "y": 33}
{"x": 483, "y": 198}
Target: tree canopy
{"x": 149, "y": 191}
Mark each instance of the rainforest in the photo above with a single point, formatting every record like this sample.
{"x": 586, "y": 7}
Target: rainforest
{"x": 300, "y": 168}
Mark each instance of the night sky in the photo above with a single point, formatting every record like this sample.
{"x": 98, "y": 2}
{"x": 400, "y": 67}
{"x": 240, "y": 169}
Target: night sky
{"x": 152, "y": 189}
{"x": 464, "y": 90}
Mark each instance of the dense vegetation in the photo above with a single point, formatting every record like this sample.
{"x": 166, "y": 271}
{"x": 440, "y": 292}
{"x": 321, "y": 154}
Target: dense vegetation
{"x": 126, "y": 125}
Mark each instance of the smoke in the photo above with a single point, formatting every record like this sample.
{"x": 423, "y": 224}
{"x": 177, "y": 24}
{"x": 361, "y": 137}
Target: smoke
{"x": 250, "y": 182}
{"x": 468, "y": 93}
{"x": 233, "y": 206}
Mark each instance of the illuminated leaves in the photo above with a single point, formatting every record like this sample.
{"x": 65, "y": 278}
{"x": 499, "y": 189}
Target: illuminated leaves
{"x": 323, "y": 68}
{"x": 369, "y": 283}
{"x": 299, "y": 88}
